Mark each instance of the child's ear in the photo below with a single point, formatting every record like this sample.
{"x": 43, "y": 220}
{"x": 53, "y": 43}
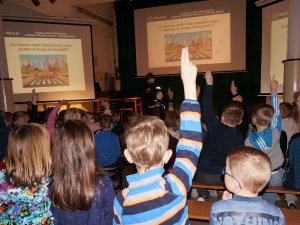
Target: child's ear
{"x": 167, "y": 156}
{"x": 128, "y": 156}
{"x": 240, "y": 122}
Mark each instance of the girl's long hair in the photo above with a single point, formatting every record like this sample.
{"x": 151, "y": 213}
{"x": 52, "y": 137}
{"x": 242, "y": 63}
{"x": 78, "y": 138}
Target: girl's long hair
{"x": 28, "y": 157}
{"x": 75, "y": 170}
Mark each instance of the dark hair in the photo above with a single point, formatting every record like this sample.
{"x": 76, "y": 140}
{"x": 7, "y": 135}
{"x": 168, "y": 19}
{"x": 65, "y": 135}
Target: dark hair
{"x": 263, "y": 113}
{"x": 287, "y": 108}
{"x": 149, "y": 75}
{"x": 105, "y": 121}
{"x": 75, "y": 169}
{"x": 233, "y": 113}
{"x": 170, "y": 119}
{"x": 17, "y": 115}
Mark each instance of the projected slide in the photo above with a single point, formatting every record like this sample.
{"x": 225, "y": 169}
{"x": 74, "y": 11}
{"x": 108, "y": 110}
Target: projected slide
{"x": 44, "y": 70}
{"x": 279, "y": 35}
{"x": 199, "y": 44}
{"x": 274, "y": 44}
{"x": 208, "y": 39}
{"x": 53, "y": 58}
{"x": 49, "y": 65}
{"x": 214, "y": 31}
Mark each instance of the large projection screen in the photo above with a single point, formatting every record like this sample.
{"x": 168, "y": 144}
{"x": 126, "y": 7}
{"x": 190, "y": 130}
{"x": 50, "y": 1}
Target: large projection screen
{"x": 55, "y": 59}
{"x": 274, "y": 44}
{"x": 213, "y": 30}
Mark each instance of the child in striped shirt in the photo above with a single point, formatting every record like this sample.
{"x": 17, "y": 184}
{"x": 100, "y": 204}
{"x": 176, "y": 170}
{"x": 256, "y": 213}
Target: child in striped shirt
{"x": 152, "y": 198}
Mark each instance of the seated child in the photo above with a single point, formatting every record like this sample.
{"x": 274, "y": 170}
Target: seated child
{"x": 266, "y": 138}
{"x": 80, "y": 192}
{"x": 289, "y": 125}
{"x": 108, "y": 148}
{"x": 222, "y": 136}
{"x": 24, "y": 183}
{"x": 150, "y": 197}
{"x": 247, "y": 172}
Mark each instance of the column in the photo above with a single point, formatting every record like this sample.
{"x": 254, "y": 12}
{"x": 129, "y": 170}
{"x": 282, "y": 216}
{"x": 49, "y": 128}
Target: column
{"x": 292, "y": 64}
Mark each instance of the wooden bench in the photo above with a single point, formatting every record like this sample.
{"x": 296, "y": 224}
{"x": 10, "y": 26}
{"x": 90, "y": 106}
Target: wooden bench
{"x": 201, "y": 211}
{"x": 279, "y": 190}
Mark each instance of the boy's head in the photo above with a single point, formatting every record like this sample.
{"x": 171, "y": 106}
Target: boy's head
{"x": 286, "y": 110}
{"x": 171, "y": 120}
{"x": 106, "y": 122}
{"x": 250, "y": 167}
{"x": 262, "y": 114}
{"x": 20, "y": 118}
{"x": 75, "y": 114}
{"x": 147, "y": 143}
{"x": 232, "y": 114}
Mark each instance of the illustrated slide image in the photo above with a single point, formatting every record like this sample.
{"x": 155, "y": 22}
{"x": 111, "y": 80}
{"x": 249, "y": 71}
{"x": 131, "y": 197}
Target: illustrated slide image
{"x": 44, "y": 70}
{"x": 199, "y": 44}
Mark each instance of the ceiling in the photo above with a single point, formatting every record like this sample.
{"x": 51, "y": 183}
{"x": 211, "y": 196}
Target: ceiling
{"x": 85, "y": 2}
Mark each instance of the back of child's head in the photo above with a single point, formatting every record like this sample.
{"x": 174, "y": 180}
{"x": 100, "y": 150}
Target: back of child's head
{"x": 74, "y": 167}
{"x": 20, "y": 118}
{"x": 75, "y": 114}
{"x": 147, "y": 141}
{"x": 171, "y": 120}
{"x": 106, "y": 121}
{"x": 286, "y": 110}
{"x": 296, "y": 106}
{"x": 233, "y": 113}
{"x": 28, "y": 157}
{"x": 263, "y": 114}
{"x": 251, "y": 167}
{"x": 132, "y": 117}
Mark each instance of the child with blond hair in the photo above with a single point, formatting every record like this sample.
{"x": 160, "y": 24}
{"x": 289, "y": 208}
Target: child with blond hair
{"x": 247, "y": 172}
{"x": 152, "y": 198}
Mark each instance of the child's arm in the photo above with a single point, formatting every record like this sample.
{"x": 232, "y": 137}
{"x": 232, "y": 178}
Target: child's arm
{"x": 276, "y": 120}
{"x": 207, "y": 103}
{"x": 190, "y": 142}
{"x": 52, "y": 118}
{"x": 33, "y": 108}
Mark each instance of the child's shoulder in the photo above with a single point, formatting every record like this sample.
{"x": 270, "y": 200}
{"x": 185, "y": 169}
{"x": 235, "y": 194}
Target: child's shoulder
{"x": 245, "y": 204}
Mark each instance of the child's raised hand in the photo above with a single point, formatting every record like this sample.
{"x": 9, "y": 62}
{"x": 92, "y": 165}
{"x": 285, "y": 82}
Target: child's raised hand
{"x": 188, "y": 69}
{"x": 170, "y": 94}
{"x": 105, "y": 105}
{"x": 233, "y": 88}
{"x": 188, "y": 75}
{"x": 273, "y": 84}
{"x": 34, "y": 97}
{"x": 209, "y": 78}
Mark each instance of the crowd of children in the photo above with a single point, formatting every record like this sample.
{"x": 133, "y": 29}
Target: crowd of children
{"x": 53, "y": 162}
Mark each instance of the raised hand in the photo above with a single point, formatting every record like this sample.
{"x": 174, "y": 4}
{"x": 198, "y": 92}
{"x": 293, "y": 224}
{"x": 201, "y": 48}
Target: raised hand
{"x": 209, "y": 78}
{"x": 233, "y": 88}
{"x": 273, "y": 84}
{"x": 34, "y": 97}
{"x": 170, "y": 94}
{"x": 188, "y": 75}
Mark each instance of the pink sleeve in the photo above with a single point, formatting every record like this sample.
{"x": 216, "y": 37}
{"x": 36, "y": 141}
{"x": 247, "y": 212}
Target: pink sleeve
{"x": 51, "y": 121}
